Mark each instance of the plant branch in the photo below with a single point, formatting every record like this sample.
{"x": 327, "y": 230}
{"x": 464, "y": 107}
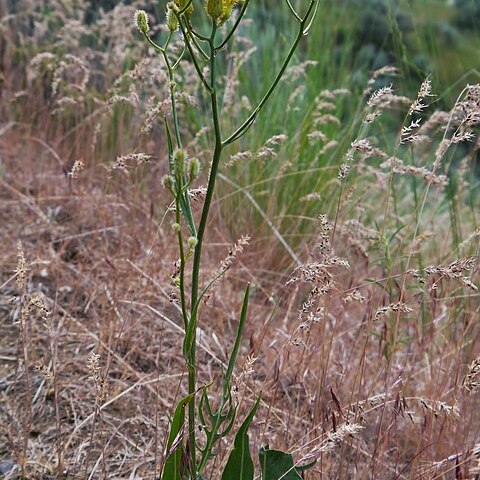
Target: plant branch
{"x": 249, "y": 121}
{"x": 235, "y": 26}
{"x": 195, "y": 42}
{"x": 182, "y": 258}
{"x": 153, "y": 44}
{"x": 295, "y": 14}
{"x": 194, "y": 58}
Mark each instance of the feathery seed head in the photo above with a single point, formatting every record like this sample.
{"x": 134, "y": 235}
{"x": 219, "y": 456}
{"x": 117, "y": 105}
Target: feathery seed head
{"x": 22, "y": 269}
{"x": 471, "y": 382}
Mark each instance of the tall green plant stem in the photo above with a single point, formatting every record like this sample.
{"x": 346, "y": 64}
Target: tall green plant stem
{"x": 198, "y": 249}
{"x": 185, "y": 199}
{"x": 182, "y": 262}
{"x": 190, "y": 351}
{"x": 190, "y": 312}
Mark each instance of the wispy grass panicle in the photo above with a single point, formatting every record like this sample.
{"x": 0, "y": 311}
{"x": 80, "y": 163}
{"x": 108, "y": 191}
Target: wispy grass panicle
{"x": 21, "y": 270}
{"x": 471, "y": 380}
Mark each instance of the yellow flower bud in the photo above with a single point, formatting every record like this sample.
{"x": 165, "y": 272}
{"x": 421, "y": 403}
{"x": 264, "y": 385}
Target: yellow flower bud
{"x": 168, "y": 182}
{"x": 227, "y": 10}
{"x": 192, "y": 242}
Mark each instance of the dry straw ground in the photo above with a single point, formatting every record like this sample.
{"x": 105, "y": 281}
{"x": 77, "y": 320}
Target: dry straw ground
{"x": 365, "y": 348}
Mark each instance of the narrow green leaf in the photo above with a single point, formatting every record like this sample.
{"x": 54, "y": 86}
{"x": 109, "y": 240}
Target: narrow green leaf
{"x": 277, "y": 465}
{"x": 240, "y": 464}
{"x": 173, "y": 464}
{"x": 233, "y": 356}
{"x": 187, "y": 210}
{"x": 170, "y": 147}
{"x": 188, "y": 341}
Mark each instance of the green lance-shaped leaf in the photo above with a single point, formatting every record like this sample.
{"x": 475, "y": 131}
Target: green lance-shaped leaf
{"x": 278, "y": 465}
{"x": 233, "y": 357}
{"x": 174, "y": 462}
{"x": 240, "y": 464}
{"x": 222, "y": 420}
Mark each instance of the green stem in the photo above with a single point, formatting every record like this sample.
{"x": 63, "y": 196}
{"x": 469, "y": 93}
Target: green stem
{"x": 185, "y": 8}
{"x": 194, "y": 40}
{"x": 182, "y": 257}
{"x": 153, "y": 44}
{"x": 235, "y": 26}
{"x": 249, "y": 121}
{"x": 198, "y": 35}
{"x": 211, "y": 181}
{"x": 171, "y": 79}
{"x": 185, "y": 199}
{"x": 295, "y": 14}
{"x": 179, "y": 59}
{"x": 198, "y": 251}
{"x": 191, "y": 418}
{"x": 194, "y": 58}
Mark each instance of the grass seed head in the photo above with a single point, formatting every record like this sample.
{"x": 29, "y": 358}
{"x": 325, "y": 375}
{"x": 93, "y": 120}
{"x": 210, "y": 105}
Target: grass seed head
{"x": 22, "y": 269}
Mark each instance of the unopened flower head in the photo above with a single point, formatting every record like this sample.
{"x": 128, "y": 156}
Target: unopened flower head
{"x": 179, "y": 158}
{"x": 172, "y": 20}
{"x": 194, "y": 168}
{"x": 227, "y": 9}
{"x": 214, "y": 8}
{"x": 168, "y": 182}
{"x": 140, "y": 19}
{"x": 221, "y": 10}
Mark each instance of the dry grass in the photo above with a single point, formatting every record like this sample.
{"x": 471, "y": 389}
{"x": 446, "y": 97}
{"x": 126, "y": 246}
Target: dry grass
{"x": 100, "y": 260}
{"x": 365, "y": 347}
